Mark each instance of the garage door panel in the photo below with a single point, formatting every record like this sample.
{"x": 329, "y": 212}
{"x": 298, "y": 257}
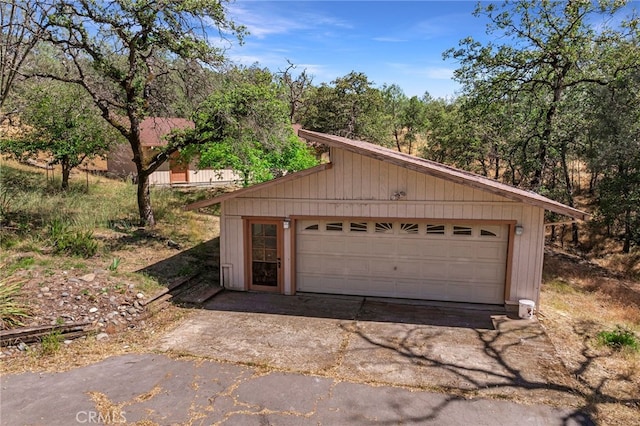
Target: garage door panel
{"x": 333, "y": 245}
{"x": 432, "y": 269}
{"x": 490, "y": 251}
{"x": 356, "y": 245}
{"x": 446, "y": 267}
{"x": 307, "y": 264}
{"x": 358, "y": 266}
{"x": 489, "y": 273}
{"x": 424, "y": 249}
{"x": 463, "y": 253}
{"x": 384, "y": 267}
{"x": 458, "y": 271}
{"x": 407, "y": 269}
{"x": 322, "y": 284}
{"x": 382, "y": 247}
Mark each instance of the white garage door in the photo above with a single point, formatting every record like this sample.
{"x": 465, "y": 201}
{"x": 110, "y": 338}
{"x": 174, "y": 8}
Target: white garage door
{"x": 404, "y": 259}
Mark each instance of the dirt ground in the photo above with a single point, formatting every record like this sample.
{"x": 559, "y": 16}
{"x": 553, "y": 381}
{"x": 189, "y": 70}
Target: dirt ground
{"x": 579, "y": 300}
{"x": 108, "y": 297}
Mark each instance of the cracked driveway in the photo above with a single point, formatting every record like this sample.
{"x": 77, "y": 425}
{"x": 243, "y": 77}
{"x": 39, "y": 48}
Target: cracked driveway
{"x": 472, "y": 352}
{"x": 296, "y": 360}
{"x": 155, "y": 389}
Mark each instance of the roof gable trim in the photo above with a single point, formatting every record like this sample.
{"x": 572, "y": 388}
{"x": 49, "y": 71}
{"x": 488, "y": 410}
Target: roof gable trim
{"x": 244, "y": 191}
{"x": 444, "y": 172}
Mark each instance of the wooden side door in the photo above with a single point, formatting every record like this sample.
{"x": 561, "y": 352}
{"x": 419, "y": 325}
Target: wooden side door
{"x": 179, "y": 169}
{"x": 264, "y": 257}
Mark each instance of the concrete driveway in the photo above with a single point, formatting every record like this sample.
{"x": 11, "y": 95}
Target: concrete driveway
{"x": 314, "y": 360}
{"x": 152, "y": 389}
{"x": 455, "y": 349}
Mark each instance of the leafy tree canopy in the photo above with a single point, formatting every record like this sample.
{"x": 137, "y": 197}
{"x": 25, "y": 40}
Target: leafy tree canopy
{"x": 61, "y": 122}
{"x": 116, "y": 51}
{"x": 245, "y": 126}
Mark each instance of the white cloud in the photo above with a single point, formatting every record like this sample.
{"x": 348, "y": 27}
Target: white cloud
{"x": 389, "y": 39}
{"x": 430, "y": 72}
{"x": 439, "y": 26}
{"x": 438, "y": 73}
{"x": 263, "y": 20}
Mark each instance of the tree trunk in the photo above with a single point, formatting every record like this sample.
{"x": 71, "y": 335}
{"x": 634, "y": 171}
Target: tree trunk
{"x": 569, "y": 190}
{"x": 66, "y": 171}
{"x": 144, "y": 199}
{"x": 397, "y": 138}
{"x": 627, "y": 231}
{"x": 547, "y": 133}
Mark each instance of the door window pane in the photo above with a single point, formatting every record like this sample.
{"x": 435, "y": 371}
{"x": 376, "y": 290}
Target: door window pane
{"x": 358, "y": 227}
{"x": 461, "y": 230}
{"x": 334, "y": 226}
{"x": 384, "y": 228}
{"x": 265, "y": 274}
{"x": 409, "y": 228}
{"x": 435, "y": 229}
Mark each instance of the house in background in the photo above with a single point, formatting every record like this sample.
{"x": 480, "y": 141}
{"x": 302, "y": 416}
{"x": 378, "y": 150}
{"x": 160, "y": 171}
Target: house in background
{"x": 153, "y": 131}
{"x": 375, "y": 222}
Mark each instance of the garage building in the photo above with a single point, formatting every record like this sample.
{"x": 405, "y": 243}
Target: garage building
{"x": 376, "y": 222}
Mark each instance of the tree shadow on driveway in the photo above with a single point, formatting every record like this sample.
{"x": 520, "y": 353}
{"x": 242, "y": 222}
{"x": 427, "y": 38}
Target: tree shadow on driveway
{"x": 467, "y": 353}
{"x": 510, "y": 362}
{"x": 358, "y": 308}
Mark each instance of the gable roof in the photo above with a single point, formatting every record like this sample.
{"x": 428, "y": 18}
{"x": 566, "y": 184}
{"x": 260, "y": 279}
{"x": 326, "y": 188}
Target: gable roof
{"x": 154, "y": 129}
{"x": 410, "y": 162}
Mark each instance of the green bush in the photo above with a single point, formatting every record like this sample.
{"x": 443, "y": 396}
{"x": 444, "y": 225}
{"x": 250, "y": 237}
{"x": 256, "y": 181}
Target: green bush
{"x": 114, "y": 264}
{"x": 11, "y": 311}
{"x": 50, "y": 344}
{"x": 75, "y": 243}
{"x": 619, "y": 338}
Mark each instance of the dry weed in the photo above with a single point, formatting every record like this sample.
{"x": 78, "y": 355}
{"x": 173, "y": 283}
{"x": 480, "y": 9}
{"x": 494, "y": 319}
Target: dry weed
{"x": 578, "y": 301}
{"x": 85, "y": 351}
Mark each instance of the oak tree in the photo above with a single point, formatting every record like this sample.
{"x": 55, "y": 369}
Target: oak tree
{"x": 116, "y": 50}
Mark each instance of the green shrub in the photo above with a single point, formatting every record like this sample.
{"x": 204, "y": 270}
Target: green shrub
{"x": 7, "y": 201}
{"x": 619, "y": 338}
{"x": 114, "y": 264}
{"x": 75, "y": 243}
{"x": 11, "y": 311}
{"x": 50, "y": 344}
{"x": 78, "y": 243}
{"x": 25, "y": 262}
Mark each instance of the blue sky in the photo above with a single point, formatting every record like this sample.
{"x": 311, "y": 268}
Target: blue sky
{"x": 393, "y": 42}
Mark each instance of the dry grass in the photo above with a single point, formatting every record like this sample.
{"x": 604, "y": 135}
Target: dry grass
{"x": 88, "y": 351}
{"x": 579, "y": 300}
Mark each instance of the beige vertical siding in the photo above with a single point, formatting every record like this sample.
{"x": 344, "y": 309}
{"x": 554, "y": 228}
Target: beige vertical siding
{"x": 359, "y": 186}
{"x": 212, "y": 177}
{"x": 231, "y": 249}
{"x": 202, "y": 177}
{"x": 160, "y": 178}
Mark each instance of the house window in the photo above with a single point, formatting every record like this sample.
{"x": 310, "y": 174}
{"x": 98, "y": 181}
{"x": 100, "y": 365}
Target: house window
{"x": 487, "y": 233}
{"x": 384, "y": 228}
{"x": 358, "y": 227}
{"x": 435, "y": 229}
{"x": 313, "y": 227}
{"x": 334, "y": 226}
{"x": 409, "y": 228}
{"x": 461, "y": 230}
